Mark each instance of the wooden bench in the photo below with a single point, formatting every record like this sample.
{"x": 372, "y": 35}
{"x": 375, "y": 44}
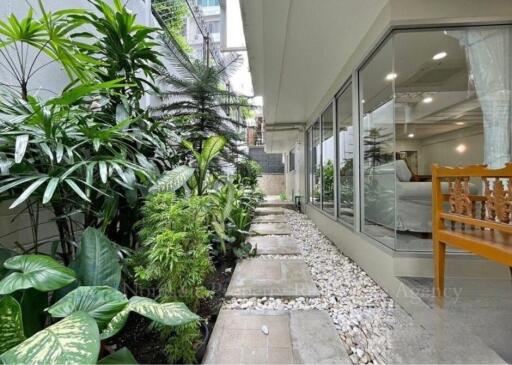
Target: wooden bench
{"x": 480, "y": 224}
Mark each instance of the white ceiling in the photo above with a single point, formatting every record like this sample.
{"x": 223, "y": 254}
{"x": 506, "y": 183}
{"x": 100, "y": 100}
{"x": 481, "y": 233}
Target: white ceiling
{"x": 298, "y": 47}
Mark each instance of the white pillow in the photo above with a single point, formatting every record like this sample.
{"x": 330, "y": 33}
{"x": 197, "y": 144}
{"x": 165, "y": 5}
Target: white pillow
{"x": 402, "y": 171}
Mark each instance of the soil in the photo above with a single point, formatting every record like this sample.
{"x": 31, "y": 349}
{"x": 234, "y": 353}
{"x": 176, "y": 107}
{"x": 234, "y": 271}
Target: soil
{"x": 146, "y": 344}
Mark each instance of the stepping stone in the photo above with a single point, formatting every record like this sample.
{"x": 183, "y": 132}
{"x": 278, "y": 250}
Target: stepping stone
{"x": 271, "y": 218}
{"x": 269, "y": 210}
{"x": 294, "y": 337}
{"x": 275, "y": 245}
{"x": 261, "y": 229}
{"x": 259, "y": 277}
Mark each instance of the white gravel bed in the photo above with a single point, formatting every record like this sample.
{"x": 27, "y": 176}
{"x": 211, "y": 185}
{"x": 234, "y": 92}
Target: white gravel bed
{"x": 361, "y": 311}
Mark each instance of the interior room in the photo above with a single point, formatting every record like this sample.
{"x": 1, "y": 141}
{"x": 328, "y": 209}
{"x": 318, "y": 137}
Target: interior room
{"x": 429, "y": 96}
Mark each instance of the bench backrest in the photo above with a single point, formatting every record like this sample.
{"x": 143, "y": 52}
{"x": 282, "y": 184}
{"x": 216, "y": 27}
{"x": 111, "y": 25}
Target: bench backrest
{"x": 491, "y": 210}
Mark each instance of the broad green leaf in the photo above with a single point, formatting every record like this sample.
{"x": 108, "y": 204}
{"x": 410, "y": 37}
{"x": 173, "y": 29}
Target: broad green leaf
{"x": 212, "y": 148}
{"x": 28, "y": 191}
{"x": 21, "y": 147}
{"x": 101, "y": 302}
{"x": 171, "y": 181}
{"x": 33, "y": 303}
{"x": 98, "y": 262}
{"x": 169, "y": 314}
{"x": 50, "y": 189}
{"x": 11, "y": 323}
{"x": 74, "y": 340}
{"x": 35, "y": 271}
{"x": 4, "y": 255}
{"x": 121, "y": 356}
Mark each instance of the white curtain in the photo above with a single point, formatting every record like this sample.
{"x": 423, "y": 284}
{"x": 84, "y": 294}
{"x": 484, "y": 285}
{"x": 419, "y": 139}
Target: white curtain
{"x": 489, "y": 53}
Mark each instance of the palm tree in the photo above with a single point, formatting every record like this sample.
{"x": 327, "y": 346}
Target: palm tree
{"x": 197, "y": 105}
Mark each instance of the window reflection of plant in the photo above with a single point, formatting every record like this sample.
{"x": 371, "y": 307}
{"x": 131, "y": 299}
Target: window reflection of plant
{"x": 375, "y": 142}
{"x": 346, "y": 188}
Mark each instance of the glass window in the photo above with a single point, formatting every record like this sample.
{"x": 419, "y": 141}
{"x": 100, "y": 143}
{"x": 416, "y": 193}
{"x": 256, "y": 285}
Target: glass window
{"x": 316, "y": 164}
{"x": 291, "y": 161}
{"x": 377, "y": 132}
{"x": 430, "y": 96}
{"x": 345, "y": 156}
{"x": 452, "y": 107}
{"x": 328, "y": 160}
{"x": 309, "y": 160}
{"x": 206, "y": 3}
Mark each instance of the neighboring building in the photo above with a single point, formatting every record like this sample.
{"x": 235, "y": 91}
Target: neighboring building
{"x": 207, "y": 13}
{"x": 360, "y": 95}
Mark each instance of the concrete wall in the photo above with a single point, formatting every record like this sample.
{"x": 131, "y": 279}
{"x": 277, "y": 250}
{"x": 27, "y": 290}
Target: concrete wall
{"x": 272, "y": 184}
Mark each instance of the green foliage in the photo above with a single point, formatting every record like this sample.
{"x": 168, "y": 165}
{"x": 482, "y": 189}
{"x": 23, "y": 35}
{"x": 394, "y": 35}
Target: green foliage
{"x": 168, "y": 314}
{"x": 175, "y": 249}
{"x": 209, "y": 149}
{"x": 97, "y": 261}
{"x": 35, "y": 271}
{"x": 74, "y": 340}
{"x": 11, "y": 324}
{"x": 176, "y": 13}
{"x": 121, "y": 356}
{"x": 247, "y": 172}
{"x": 180, "y": 346}
{"x": 122, "y": 47}
{"x": 197, "y": 105}
{"x": 231, "y": 210}
{"x": 170, "y": 181}
{"x": 100, "y": 302}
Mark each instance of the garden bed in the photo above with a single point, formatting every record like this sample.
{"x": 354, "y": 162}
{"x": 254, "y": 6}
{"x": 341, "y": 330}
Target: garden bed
{"x": 146, "y": 344}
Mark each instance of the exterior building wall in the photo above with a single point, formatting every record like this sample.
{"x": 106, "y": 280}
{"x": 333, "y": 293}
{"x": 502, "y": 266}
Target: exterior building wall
{"x": 272, "y": 184}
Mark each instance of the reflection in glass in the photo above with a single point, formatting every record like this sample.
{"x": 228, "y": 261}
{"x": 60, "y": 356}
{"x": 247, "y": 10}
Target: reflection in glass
{"x": 316, "y": 164}
{"x": 377, "y": 132}
{"x": 328, "y": 160}
{"x": 345, "y": 156}
{"x": 453, "y": 110}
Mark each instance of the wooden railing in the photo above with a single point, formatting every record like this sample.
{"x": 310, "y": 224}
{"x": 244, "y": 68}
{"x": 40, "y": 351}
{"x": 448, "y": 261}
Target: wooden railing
{"x": 481, "y": 224}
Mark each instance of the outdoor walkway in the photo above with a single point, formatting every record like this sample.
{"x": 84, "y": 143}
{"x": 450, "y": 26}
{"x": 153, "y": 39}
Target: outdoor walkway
{"x": 300, "y": 300}
{"x": 274, "y": 336}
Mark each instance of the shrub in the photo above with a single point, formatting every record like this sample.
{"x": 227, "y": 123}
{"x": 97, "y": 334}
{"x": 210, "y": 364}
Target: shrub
{"x": 247, "y": 172}
{"x": 175, "y": 259}
{"x": 175, "y": 252}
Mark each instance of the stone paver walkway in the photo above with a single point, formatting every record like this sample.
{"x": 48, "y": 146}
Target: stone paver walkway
{"x": 274, "y": 337}
{"x": 274, "y": 245}
{"x": 270, "y": 210}
{"x": 259, "y": 277}
{"x": 270, "y": 218}
{"x": 262, "y": 229}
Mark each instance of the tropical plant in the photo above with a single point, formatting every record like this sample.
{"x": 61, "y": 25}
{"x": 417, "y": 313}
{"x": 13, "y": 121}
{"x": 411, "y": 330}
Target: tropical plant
{"x": 197, "y": 106}
{"x": 29, "y": 45}
{"x": 91, "y": 313}
{"x": 247, "y": 172}
{"x": 175, "y": 259}
{"x": 121, "y": 47}
{"x": 209, "y": 149}
{"x": 174, "y": 255}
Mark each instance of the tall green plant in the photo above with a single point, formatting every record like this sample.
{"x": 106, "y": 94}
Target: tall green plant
{"x": 197, "y": 105}
{"x": 210, "y": 148}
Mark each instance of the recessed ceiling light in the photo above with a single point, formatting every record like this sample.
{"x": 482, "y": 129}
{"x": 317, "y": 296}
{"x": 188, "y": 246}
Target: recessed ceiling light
{"x": 391, "y": 76}
{"x": 459, "y": 123}
{"x": 428, "y": 100}
{"x": 439, "y": 56}
{"x": 461, "y": 148}
{"x": 410, "y": 135}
